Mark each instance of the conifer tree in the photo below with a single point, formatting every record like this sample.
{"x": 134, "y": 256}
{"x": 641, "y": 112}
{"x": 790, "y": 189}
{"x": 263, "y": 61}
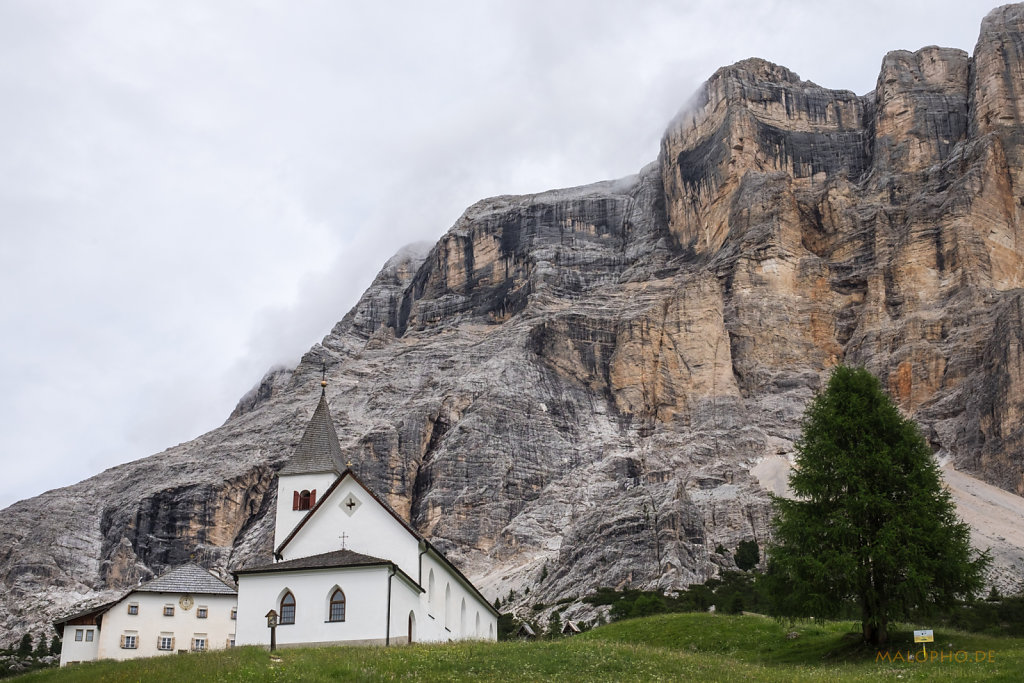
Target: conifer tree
{"x": 871, "y": 521}
{"x": 25, "y": 646}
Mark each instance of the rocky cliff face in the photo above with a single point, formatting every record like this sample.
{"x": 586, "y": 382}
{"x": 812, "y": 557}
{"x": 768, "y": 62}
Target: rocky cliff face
{"x": 602, "y": 380}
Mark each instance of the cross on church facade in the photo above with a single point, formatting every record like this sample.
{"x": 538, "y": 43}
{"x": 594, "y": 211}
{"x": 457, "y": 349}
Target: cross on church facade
{"x": 343, "y": 537}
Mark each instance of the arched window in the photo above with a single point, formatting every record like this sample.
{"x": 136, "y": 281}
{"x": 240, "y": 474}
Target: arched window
{"x": 462, "y": 618}
{"x": 337, "y": 605}
{"x": 412, "y": 627}
{"x": 476, "y": 629}
{"x": 287, "y": 611}
{"x": 431, "y": 592}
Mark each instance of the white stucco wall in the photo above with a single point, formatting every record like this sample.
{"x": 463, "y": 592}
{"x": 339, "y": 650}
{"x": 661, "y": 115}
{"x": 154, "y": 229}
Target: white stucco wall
{"x": 369, "y": 529}
{"x": 150, "y": 623}
{"x": 366, "y": 596}
{"x": 286, "y": 517}
{"x": 83, "y": 650}
{"x": 444, "y": 619}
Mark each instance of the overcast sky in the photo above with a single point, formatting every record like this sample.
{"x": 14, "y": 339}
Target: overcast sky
{"x": 192, "y": 192}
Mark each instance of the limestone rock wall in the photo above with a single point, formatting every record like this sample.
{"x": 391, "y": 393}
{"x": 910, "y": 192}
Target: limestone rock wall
{"x": 599, "y": 381}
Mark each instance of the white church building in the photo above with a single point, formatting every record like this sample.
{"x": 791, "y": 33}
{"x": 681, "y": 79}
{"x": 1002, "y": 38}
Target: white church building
{"x": 349, "y": 569}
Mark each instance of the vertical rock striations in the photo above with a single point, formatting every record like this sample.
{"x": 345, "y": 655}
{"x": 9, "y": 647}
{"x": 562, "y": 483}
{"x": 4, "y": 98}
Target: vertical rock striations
{"x": 605, "y": 380}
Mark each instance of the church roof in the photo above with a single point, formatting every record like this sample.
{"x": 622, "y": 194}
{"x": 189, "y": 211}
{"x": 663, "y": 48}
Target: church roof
{"x": 326, "y": 494}
{"x": 188, "y": 578}
{"x": 319, "y": 450}
{"x": 408, "y": 527}
{"x": 335, "y": 558}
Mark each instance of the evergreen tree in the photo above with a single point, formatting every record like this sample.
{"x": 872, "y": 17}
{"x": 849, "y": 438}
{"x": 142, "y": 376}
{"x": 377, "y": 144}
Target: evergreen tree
{"x": 25, "y": 647}
{"x": 55, "y": 646}
{"x": 747, "y": 555}
{"x": 41, "y": 649}
{"x": 555, "y": 625}
{"x": 871, "y": 521}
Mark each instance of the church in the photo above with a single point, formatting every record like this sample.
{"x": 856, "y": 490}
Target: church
{"x": 348, "y": 569}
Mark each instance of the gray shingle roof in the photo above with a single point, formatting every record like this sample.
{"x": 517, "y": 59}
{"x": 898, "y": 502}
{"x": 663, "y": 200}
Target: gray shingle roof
{"x": 319, "y": 450}
{"x": 188, "y": 578}
{"x": 335, "y": 558}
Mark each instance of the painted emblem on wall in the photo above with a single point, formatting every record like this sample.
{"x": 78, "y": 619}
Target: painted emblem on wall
{"x": 186, "y": 602}
{"x": 350, "y": 504}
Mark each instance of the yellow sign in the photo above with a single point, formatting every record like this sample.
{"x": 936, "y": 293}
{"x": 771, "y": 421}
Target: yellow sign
{"x": 924, "y": 636}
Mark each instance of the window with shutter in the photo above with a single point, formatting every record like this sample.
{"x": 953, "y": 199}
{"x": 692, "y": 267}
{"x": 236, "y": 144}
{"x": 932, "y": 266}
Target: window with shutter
{"x": 312, "y": 498}
{"x": 295, "y": 500}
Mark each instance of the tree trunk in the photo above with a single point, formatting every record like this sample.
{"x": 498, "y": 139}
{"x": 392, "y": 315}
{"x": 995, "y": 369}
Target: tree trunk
{"x": 875, "y": 634}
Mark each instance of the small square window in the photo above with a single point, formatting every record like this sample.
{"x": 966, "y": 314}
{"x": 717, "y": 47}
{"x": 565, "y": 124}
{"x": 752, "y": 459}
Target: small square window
{"x": 234, "y": 613}
{"x": 198, "y": 644}
{"x": 128, "y": 642}
{"x": 78, "y": 633}
{"x": 133, "y": 609}
{"x": 168, "y": 610}
{"x": 88, "y": 635}
{"x": 166, "y": 643}
{"x": 201, "y": 613}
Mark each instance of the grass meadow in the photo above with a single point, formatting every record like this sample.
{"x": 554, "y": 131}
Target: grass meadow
{"x": 666, "y": 647}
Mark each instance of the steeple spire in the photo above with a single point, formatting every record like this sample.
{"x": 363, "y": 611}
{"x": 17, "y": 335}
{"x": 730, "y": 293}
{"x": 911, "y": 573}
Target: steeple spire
{"x": 319, "y": 450}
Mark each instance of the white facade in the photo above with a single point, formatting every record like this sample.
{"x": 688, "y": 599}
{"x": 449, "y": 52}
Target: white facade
{"x": 137, "y": 626}
{"x": 287, "y": 517}
{"x": 79, "y": 643}
{"x": 367, "y": 603}
{"x": 432, "y": 602}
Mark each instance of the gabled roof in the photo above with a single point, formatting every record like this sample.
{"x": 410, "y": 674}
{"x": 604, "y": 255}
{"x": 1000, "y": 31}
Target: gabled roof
{"x": 95, "y": 609}
{"x": 417, "y": 535}
{"x": 188, "y": 578}
{"x": 327, "y": 494}
{"x": 335, "y": 558}
{"x": 319, "y": 450}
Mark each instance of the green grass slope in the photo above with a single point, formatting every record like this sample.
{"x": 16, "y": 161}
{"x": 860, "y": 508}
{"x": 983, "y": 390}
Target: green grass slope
{"x": 665, "y": 647}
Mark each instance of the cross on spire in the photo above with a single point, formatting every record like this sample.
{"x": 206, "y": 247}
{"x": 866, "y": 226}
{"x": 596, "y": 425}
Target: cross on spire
{"x": 323, "y": 377}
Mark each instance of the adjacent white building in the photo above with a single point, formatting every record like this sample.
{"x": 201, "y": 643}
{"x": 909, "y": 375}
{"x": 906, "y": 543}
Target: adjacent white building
{"x": 348, "y": 568}
{"x": 184, "y": 609}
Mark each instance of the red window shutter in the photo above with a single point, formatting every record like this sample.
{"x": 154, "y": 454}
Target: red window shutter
{"x": 295, "y": 500}
{"x": 312, "y": 499}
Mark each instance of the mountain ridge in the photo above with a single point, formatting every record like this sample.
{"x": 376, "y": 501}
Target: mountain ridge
{"x": 571, "y": 389}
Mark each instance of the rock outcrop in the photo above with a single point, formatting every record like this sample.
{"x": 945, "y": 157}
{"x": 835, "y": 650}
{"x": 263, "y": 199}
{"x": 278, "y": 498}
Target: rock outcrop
{"x": 591, "y": 385}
